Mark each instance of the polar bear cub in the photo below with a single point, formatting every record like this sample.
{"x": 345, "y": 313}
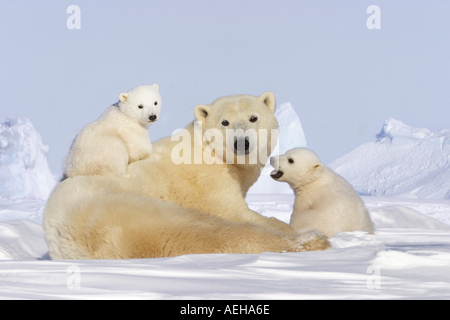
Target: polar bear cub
{"x": 323, "y": 199}
{"x": 119, "y": 137}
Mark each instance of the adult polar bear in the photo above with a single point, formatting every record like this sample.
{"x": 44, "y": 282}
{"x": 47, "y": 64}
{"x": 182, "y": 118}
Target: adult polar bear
{"x": 164, "y": 209}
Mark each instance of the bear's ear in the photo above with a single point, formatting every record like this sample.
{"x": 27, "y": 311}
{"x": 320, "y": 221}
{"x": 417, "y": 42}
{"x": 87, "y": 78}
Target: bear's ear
{"x": 156, "y": 87}
{"x": 123, "y": 97}
{"x": 268, "y": 98}
{"x": 317, "y": 167}
{"x": 201, "y": 111}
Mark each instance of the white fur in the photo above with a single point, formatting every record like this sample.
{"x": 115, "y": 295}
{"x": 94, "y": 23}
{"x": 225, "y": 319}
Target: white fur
{"x": 166, "y": 209}
{"x": 119, "y": 137}
{"x": 323, "y": 199}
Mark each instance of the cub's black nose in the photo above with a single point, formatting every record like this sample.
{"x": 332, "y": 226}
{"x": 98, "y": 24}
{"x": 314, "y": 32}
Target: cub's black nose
{"x": 153, "y": 118}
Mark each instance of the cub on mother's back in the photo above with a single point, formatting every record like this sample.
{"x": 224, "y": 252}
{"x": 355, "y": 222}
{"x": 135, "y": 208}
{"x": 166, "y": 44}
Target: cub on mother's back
{"x": 119, "y": 137}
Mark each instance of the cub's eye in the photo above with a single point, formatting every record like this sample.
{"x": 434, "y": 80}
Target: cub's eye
{"x": 225, "y": 123}
{"x": 291, "y": 160}
{"x": 140, "y": 106}
{"x": 156, "y": 103}
{"x": 253, "y": 118}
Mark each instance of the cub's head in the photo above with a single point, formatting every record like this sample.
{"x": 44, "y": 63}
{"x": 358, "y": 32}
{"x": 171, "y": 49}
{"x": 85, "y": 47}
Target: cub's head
{"x": 240, "y": 126}
{"x": 142, "y": 104}
{"x": 297, "y": 167}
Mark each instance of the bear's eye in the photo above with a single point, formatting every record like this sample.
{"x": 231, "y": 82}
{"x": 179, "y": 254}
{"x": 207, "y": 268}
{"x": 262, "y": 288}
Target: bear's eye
{"x": 291, "y": 160}
{"x": 225, "y": 123}
{"x": 140, "y": 106}
{"x": 253, "y": 118}
{"x": 156, "y": 103}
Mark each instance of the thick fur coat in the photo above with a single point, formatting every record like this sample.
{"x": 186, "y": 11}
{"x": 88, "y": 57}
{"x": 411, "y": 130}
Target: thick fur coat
{"x": 116, "y": 139}
{"x": 167, "y": 209}
{"x": 323, "y": 199}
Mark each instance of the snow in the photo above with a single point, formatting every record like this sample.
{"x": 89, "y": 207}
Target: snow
{"x": 291, "y": 136}
{"x": 24, "y": 171}
{"x": 403, "y": 162}
{"x": 407, "y": 257}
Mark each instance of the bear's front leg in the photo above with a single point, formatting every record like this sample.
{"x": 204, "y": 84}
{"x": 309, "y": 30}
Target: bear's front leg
{"x": 238, "y": 211}
{"x": 232, "y": 206}
{"x": 273, "y": 223}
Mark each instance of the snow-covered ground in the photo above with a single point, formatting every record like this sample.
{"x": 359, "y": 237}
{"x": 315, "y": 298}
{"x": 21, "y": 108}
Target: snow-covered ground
{"x": 408, "y": 257}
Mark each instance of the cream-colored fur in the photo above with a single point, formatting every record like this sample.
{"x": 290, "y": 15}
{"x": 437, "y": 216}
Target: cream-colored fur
{"x": 165, "y": 209}
{"x": 119, "y": 137}
{"x": 323, "y": 199}
{"x": 97, "y": 223}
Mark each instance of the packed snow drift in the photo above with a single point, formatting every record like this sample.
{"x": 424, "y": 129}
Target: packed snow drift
{"x": 403, "y": 162}
{"x": 24, "y": 171}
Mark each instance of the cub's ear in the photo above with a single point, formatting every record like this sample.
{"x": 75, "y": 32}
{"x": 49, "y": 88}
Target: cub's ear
{"x": 268, "y": 98}
{"x": 201, "y": 111}
{"x": 317, "y": 167}
{"x": 156, "y": 87}
{"x": 123, "y": 97}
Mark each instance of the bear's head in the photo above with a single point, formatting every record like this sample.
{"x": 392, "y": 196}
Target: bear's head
{"x": 142, "y": 104}
{"x": 298, "y": 167}
{"x": 240, "y": 127}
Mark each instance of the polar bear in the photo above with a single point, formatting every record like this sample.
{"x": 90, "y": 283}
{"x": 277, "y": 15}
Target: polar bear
{"x": 119, "y": 137}
{"x": 167, "y": 208}
{"x": 323, "y": 199}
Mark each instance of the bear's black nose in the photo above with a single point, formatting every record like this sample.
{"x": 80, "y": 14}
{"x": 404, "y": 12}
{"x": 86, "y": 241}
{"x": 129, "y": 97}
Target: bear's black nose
{"x": 242, "y": 146}
{"x": 153, "y": 118}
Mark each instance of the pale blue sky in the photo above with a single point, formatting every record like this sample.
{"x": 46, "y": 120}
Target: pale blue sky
{"x": 343, "y": 79}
